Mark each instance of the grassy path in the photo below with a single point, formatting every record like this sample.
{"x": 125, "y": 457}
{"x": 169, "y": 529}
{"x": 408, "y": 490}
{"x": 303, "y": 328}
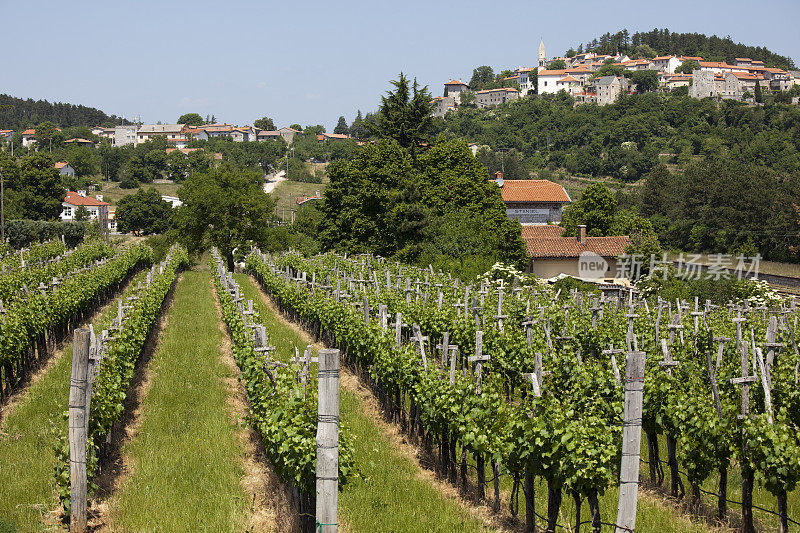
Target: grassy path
{"x": 27, "y": 459}
{"x": 393, "y": 492}
{"x": 184, "y": 460}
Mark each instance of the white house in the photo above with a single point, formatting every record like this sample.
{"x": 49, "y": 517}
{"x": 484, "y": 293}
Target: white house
{"x": 124, "y": 135}
{"x": 173, "y": 200}
{"x": 28, "y": 137}
{"x": 666, "y": 64}
{"x": 96, "y": 207}
{"x": 549, "y": 79}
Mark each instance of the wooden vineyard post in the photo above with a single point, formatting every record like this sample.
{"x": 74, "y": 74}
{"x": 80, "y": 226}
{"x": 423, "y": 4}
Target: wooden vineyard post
{"x": 77, "y": 430}
{"x": 631, "y": 443}
{"x": 328, "y": 442}
{"x": 747, "y": 472}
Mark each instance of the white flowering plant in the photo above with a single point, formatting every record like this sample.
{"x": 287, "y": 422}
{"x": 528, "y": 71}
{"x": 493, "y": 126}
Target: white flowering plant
{"x": 504, "y": 274}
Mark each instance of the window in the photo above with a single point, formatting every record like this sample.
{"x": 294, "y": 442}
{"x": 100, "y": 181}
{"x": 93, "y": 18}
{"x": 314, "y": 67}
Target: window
{"x": 68, "y": 212}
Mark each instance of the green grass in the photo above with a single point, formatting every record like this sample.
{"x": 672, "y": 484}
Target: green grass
{"x": 27, "y": 459}
{"x": 112, "y": 193}
{"x": 185, "y": 460}
{"x": 389, "y": 495}
{"x": 764, "y": 267}
{"x": 761, "y": 496}
{"x": 287, "y": 192}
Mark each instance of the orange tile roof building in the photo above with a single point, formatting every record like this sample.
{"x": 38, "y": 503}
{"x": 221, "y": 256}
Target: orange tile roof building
{"x": 533, "y": 201}
{"x": 552, "y": 254}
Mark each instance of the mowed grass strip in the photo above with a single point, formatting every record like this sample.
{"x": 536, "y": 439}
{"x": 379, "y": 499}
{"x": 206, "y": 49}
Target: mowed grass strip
{"x": 184, "y": 462}
{"x": 391, "y": 494}
{"x": 27, "y": 459}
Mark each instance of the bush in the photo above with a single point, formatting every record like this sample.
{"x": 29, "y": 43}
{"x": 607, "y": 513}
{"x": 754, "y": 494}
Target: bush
{"x": 23, "y": 233}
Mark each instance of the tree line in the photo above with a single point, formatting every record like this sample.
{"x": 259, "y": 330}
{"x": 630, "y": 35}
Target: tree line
{"x": 18, "y": 113}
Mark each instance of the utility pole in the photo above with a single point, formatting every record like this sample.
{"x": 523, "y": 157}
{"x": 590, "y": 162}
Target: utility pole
{"x": 3, "y": 207}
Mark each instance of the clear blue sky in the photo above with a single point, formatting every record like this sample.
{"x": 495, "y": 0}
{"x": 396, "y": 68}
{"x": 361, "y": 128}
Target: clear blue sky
{"x": 309, "y": 62}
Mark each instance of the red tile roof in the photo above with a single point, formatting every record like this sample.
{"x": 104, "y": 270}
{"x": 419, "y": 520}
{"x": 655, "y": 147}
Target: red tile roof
{"x": 29, "y": 132}
{"x": 455, "y": 82}
{"x": 533, "y": 191}
{"x": 74, "y": 198}
{"x": 547, "y": 242}
{"x": 61, "y": 164}
{"x": 567, "y": 79}
{"x": 78, "y": 140}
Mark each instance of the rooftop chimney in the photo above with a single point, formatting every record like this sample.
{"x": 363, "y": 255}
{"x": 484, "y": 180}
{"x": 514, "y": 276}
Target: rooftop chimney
{"x": 99, "y": 197}
{"x": 581, "y": 233}
{"x": 82, "y": 192}
{"x": 498, "y": 176}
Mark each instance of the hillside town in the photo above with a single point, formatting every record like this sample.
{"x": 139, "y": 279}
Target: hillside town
{"x": 581, "y": 78}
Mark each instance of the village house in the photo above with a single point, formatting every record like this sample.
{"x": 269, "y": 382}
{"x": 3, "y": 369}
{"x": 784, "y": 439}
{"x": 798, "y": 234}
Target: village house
{"x": 244, "y": 134}
{"x": 443, "y": 104}
{"x": 97, "y": 208}
{"x": 65, "y": 169}
{"x": 532, "y": 201}
{"x": 6, "y": 134}
{"x": 549, "y": 79}
{"x": 672, "y": 81}
{"x": 608, "y": 88}
{"x": 97, "y": 130}
{"x": 454, "y": 88}
{"x": 552, "y": 254}
{"x": 210, "y": 131}
{"x": 147, "y": 132}
{"x": 495, "y": 97}
{"x": 666, "y": 64}
{"x": 124, "y": 135}
{"x": 287, "y": 134}
{"x": 28, "y": 137}
{"x": 323, "y": 137}
{"x": 80, "y": 142}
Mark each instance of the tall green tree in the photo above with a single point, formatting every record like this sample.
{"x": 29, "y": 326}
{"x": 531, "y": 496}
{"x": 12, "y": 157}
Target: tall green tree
{"x": 595, "y": 209}
{"x": 481, "y": 77}
{"x": 191, "y": 119}
{"x": 405, "y": 113}
{"x": 40, "y": 189}
{"x": 144, "y": 212}
{"x": 264, "y": 123}
{"x": 341, "y": 127}
{"x": 225, "y": 207}
{"x": 645, "y": 80}
{"x": 687, "y": 67}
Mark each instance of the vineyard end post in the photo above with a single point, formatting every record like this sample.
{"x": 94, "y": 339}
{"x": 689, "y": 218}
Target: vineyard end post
{"x": 77, "y": 430}
{"x": 631, "y": 442}
{"x": 328, "y": 442}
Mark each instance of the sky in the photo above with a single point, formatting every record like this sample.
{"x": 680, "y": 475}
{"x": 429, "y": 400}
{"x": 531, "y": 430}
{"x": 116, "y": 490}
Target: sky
{"x": 310, "y": 62}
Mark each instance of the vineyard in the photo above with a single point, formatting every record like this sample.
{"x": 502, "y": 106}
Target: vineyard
{"x": 540, "y": 409}
{"x": 529, "y": 381}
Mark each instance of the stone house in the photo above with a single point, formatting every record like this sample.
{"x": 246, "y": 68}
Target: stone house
{"x": 454, "y": 88}
{"x": 495, "y": 97}
{"x": 533, "y": 201}
{"x": 608, "y": 89}
{"x": 124, "y": 135}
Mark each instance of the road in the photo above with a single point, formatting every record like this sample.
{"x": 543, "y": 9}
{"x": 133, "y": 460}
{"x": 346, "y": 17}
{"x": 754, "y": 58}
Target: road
{"x": 273, "y": 180}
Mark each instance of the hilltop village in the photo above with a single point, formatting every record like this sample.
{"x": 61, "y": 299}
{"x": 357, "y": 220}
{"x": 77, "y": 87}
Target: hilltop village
{"x": 601, "y": 79}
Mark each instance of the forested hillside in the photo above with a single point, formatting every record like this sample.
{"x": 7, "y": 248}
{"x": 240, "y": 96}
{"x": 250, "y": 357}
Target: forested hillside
{"x": 16, "y": 113}
{"x": 721, "y": 177}
{"x": 663, "y": 42}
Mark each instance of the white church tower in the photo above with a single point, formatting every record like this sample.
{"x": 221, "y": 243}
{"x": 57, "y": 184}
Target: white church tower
{"x": 542, "y": 55}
